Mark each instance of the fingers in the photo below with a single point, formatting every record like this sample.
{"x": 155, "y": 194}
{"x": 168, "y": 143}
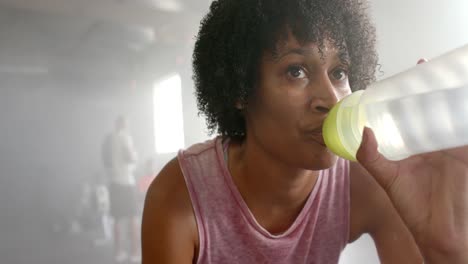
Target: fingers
{"x": 383, "y": 170}
{"x": 422, "y": 60}
{"x": 460, "y": 154}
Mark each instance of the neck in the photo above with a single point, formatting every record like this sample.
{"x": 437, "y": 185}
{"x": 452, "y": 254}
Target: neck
{"x": 266, "y": 181}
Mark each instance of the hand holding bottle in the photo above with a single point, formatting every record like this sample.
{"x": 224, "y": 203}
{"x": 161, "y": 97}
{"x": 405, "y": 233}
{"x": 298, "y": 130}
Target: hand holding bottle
{"x": 430, "y": 191}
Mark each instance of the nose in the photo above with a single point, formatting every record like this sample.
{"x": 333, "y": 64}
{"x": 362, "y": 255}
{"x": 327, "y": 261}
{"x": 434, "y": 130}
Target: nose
{"x": 325, "y": 95}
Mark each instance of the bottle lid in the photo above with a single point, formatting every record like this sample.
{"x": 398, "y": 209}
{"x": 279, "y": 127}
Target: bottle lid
{"x": 331, "y": 133}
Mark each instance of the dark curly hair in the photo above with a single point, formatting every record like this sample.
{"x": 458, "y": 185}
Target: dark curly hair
{"x": 235, "y": 33}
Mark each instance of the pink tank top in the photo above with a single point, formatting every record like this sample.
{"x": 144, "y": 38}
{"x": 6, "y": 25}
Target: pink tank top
{"x": 228, "y": 232}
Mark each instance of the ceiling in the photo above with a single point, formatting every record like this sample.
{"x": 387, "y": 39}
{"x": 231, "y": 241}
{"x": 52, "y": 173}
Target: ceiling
{"x": 42, "y": 36}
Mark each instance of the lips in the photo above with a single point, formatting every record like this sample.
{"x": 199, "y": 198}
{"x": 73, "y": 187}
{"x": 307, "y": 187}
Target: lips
{"x": 319, "y": 139}
{"x": 316, "y": 135}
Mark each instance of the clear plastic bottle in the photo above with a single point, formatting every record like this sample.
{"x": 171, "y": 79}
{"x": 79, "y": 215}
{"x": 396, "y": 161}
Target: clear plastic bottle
{"x": 420, "y": 110}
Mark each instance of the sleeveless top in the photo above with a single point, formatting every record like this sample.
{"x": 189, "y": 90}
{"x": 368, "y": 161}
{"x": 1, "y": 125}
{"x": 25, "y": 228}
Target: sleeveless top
{"x": 229, "y": 233}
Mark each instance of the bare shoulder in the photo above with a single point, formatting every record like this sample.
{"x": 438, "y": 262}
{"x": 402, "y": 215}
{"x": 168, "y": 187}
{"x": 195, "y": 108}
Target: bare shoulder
{"x": 168, "y": 191}
{"x": 372, "y": 213}
{"x": 169, "y": 231}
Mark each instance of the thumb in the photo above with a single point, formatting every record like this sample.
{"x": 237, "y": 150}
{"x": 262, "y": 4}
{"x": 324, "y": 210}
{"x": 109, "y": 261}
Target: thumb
{"x": 383, "y": 170}
{"x": 422, "y": 60}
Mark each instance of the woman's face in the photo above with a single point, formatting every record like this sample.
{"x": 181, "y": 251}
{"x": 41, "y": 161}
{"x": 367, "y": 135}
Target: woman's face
{"x": 296, "y": 89}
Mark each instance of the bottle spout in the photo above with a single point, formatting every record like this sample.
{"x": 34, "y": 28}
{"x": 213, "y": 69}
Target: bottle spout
{"x": 342, "y": 129}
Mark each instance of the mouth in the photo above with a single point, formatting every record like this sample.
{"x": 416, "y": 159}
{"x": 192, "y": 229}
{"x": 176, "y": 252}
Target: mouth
{"x": 316, "y": 135}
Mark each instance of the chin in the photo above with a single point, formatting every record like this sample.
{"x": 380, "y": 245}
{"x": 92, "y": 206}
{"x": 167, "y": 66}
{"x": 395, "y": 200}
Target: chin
{"x": 322, "y": 161}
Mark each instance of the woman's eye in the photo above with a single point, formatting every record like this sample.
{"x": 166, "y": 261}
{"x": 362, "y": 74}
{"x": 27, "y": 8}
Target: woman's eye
{"x": 296, "y": 72}
{"x": 340, "y": 74}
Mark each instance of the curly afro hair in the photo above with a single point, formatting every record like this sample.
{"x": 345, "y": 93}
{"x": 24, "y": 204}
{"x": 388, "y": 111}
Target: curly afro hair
{"x": 235, "y": 34}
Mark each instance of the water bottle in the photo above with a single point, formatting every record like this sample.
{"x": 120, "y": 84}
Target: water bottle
{"x": 420, "y": 110}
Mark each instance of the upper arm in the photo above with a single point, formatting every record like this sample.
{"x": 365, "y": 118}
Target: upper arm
{"x": 372, "y": 212}
{"x": 169, "y": 233}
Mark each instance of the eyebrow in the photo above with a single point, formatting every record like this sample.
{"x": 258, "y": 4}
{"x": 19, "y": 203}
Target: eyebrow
{"x": 299, "y": 51}
{"x": 341, "y": 55}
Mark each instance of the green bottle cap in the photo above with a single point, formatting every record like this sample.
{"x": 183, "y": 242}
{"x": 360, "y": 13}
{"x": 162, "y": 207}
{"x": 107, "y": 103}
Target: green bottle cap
{"x": 331, "y": 135}
{"x": 337, "y": 128}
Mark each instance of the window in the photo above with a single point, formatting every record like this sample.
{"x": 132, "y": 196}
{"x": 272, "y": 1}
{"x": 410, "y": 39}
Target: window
{"x": 168, "y": 118}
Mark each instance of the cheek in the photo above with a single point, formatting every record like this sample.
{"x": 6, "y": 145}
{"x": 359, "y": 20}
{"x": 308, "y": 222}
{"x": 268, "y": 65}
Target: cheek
{"x": 342, "y": 92}
{"x": 287, "y": 107}
{"x": 273, "y": 114}
{"x": 276, "y": 99}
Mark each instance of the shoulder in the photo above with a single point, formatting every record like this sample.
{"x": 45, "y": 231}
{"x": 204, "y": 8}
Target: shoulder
{"x": 169, "y": 224}
{"x": 169, "y": 186}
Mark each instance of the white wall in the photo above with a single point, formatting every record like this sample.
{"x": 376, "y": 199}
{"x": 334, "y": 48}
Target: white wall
{"x": 408, "y": 30}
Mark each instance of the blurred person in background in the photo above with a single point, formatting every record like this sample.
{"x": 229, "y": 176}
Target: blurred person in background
{"x": 120, "y": 157}
{"x": 102, "y": 210}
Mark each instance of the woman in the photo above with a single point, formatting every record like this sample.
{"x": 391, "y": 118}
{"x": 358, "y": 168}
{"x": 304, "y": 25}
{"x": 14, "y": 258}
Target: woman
{"x": 267, "y": 190}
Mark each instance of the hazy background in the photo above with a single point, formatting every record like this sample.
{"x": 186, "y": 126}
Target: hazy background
{"x": 69, "y": 68}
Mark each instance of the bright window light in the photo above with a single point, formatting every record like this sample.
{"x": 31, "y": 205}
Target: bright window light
{"x": 168, "y": 118}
